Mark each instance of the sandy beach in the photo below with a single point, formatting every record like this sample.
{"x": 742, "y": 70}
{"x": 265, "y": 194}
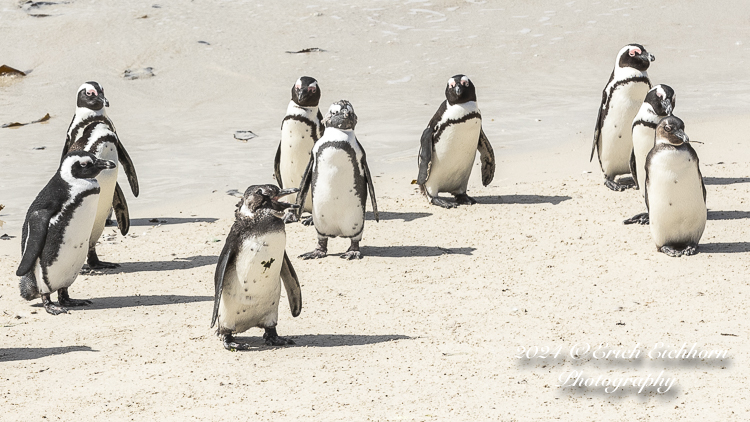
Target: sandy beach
{"x": 428, "y": 326}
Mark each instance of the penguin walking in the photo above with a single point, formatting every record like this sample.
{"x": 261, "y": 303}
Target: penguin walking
{"x": 91, "y": 130}
{"x": 659, "y": 103}
{"x": 251, "y": 268}
{"x": 339, "y": 180}
{"x": 675, "y": 193}
{"x": 55, "y": 235}
{"x": 449, "y": 145}
{"x": 621, "y": 99}
{"x": 301, "y": 128}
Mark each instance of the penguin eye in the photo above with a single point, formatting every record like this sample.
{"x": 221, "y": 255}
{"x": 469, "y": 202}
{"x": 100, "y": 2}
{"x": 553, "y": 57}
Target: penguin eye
{"x": 311, "y": 89}
{"x": 668, "y": 128}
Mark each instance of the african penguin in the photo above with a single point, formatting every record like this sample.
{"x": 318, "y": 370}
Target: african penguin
{"x": 621, "y": 99}
{"x": 91, "y": 130}
{"x": 251, "y": 268}
{"x": 450, "y": 143}
{"x": 659, "y": 103}
{"x": 301, "y": 128}
{"x": 675, "y": 193}
{"x": 338, "y": 179}
{"x": 56, "y": 232}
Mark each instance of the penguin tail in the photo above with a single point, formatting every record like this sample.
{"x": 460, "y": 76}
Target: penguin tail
{"x": 29, "y": 289}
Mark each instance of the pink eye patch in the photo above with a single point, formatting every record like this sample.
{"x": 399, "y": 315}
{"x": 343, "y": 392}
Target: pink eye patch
{"x": 634, "y": 51}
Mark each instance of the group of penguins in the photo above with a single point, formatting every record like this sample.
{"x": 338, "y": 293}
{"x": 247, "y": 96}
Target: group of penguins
{"x": 321, "y": 169}
{"x": 637, "y": 134}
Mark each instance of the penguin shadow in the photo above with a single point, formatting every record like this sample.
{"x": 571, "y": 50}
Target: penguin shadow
{"x": 116, "y": 302}
{"x": 405, "y": 216}
{"x": 724, "y": 247}
{"x": 29, "y": 353}
{"x": 725, "y": 180}
{"x": 169, "y": 221}
{"x": 728, "y": 215}
{"x": 411, "y": 251}
{"x": 522, "y": 199}
{"x": 143, "y": 266}
{"x": 325, "y": 340}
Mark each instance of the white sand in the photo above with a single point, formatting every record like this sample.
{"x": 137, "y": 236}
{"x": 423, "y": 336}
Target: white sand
{"x": 426, "y": 326}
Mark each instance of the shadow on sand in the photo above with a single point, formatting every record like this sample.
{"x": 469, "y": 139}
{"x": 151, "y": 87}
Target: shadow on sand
{"x": 169, "y": 221}
{"x": 724, "y": 247}
{"x": 116, "y": 302}
{"x": 175, "y": 264}
{"x": 728, "y": 215}
{"x": 521, "y": 199}
{"x": 725, "y": 180}
{"x": 324, "y": 340}
{"x": 409, "y": 251}
{"x": 29, "y": 353}
{"x": 405, "y": 216}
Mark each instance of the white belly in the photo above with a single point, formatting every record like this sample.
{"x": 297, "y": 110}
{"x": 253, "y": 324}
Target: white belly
{"x": 453, "y": 157}
{"x": 677, "y": 211}
{"x": 107, "y": 180}
{"x": 337, "y": 209}
{"x": 296, "y": 144}
{"x": 74, "y": 248}
{"x": 250, "y": 297}
{"x": 616, "y": 136}
{"x": 643, "y": 141}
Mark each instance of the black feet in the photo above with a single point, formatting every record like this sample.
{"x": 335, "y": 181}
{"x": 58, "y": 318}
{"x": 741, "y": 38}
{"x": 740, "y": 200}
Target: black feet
{"x": 688, "y": 251}
{"x": 641, "y": 218}
{"x": 272, "y": 338}
{"x": 65, "y": 300}
{"x": 320, "y": 252}
{"x": 353, "y": 251}
{"x": 440, "y": 202}
{"x": 619, "y": 187}
{"x": 95, "y": 264}
{"x": 307, "y": 221}
{"x": 51, "y": 307}
{"x": 464, "y": 199}
{"x": 231, "y": 345}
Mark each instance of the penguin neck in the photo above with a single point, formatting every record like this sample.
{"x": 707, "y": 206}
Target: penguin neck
{"x": 647, "y": 114}
{"x": 622, "y": 73}
{"x": 298, "y": 110}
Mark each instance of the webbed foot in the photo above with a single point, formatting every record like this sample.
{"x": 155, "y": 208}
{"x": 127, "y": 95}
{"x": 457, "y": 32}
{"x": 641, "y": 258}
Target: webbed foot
{"x": 231, "y": 345}
{"x": 272, "y": 338}
{"x": 352, "y": 252}
{"x": 641, "y": 218}
{"x": 308, "y": 221}
{"x": 320, "y": 252}
{"x": 65, "y": 300}
{"x": 464, "y": 199}
{"x": 95, "y": 264}
{"x": 440, "y": 202}
{"x": 690, "y": 250}
{"x": 51, "y": 307}
{"x": 670, "y": 251}
{"x": 617, "y": 187}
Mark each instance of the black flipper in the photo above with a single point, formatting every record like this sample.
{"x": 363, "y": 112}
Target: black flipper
{"x": 368, "y": 180}
{"x": 599, "y": 120}
{"x": 425, "y": 155}
{"x": 121, "y": 210}
{"x": 227, "y": 255}
{"x": 487, "y": 157}
{"x": 127, "y": 165}
{"x": 321, "y": 126}
{"x": 633, "y": 169}
{"x": 304, "y": 186}
{"x": 277, "y": 167}
{"x": 36, "y": 225}
{"x": 291, "y": 284}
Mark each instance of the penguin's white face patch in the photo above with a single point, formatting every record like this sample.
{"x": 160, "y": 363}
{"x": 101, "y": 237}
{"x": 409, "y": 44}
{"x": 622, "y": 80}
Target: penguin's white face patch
{"x": 660, "y": 92}
{"x": 634, "y": 51}
{"x": 465, "y": 81}
{"x": 298, "y": 84}
{"x": 90, "y": 90}
{"x": 451, "y": 83}
{"x": 312, "y": 87}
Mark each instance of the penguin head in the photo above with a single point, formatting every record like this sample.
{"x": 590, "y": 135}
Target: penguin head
{"x": 305, "y": 92}
{"x": 635, "y": 56}
{"x": 671, "y": 130}
{"x": 341, "y": 116}
{"x": 260, "y": 198}
{"x": 662, "y": 99}
{"x": 460, "y": 90}
{"x": 83, "y": 165}
{"x": 91, "y": 96}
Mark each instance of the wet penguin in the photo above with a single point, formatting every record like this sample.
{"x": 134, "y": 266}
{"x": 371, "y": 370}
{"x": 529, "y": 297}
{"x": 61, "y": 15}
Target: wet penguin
{"x": 55, "y": 235}
{"x": 301, "y": 128}
{"x": 91, "y": 130}
{"x": 449, "y": 145}
{"x": 339, "y": 180}
{"x": 621, "y": 99}
{"x": 251, "y": 268}
{"x": 659, "y": 103}
{"x": 675, "y": 193}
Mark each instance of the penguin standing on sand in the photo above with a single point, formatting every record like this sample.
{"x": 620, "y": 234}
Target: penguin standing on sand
{"x": 675, "y": 193}
{"x": 659, "y": 103}
{"x": 621, "y": 99}
{"x": 339, "y": 180}
{"x": 55, "y": 235}
{"x": 251, "y": 268}
{"x": 449, "y": 145}
{"x": 92, "y": 131}
{"x": 301, "y": 128}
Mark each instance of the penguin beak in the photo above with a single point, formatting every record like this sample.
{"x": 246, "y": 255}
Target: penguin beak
{"x": 104, "y": 100}
{"x": 651, "y": 57}
{"x": 459, "y": 89}
{"x": 683, "y": 136}
{"x": 282, "y": 206}
{"x": 104, "y": 164}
